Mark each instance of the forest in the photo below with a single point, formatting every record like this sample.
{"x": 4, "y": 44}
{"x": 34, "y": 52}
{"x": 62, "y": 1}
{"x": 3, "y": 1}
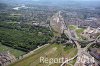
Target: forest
{"x": 22, "y": 36}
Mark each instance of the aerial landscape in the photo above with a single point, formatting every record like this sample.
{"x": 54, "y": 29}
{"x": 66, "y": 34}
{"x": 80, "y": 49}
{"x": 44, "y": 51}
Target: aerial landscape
{"x": 49, "y": 32}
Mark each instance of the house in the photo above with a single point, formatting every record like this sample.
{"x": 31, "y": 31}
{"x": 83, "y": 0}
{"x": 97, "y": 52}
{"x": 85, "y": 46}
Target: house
{"x": 91, "y": 32}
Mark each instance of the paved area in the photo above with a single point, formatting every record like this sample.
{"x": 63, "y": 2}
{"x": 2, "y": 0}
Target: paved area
{"x": 83, "y": 57}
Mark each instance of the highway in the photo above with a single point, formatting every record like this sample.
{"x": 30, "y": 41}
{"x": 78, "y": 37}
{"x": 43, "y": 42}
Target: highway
{"x": 82, "y": 52}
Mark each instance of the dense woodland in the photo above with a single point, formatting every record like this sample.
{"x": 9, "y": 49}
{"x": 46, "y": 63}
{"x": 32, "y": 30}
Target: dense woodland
{"x": 16, "y": 33}
{"x": 23, "y": 37}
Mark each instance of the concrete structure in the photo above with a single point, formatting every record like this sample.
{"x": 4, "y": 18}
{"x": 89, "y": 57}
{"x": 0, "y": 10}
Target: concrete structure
{"x": 57, "y": 23}
{"x": 91, "y": 33}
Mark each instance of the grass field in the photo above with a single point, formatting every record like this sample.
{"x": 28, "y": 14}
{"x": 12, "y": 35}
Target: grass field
{"x": 51, "y": 51}
{"x": 79, "y": 31}
{"x": 72, "y": 27}
{"x": 15, "y": 52}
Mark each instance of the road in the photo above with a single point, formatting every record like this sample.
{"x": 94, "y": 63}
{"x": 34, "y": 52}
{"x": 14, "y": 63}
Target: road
{"x": 82, "y": 52}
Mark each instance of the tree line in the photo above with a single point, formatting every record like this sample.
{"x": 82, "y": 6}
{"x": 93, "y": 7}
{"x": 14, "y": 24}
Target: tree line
{"x": 23, "y": 37}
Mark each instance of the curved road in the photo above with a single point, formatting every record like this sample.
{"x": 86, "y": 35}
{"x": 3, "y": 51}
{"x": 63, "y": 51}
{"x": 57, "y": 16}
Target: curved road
{"x": 81, "y": 51}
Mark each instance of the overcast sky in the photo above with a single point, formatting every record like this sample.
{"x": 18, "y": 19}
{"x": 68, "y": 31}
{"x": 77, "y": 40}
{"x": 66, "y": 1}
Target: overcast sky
{"x": 86, "y": 0}
{"x": 73, "y": 0}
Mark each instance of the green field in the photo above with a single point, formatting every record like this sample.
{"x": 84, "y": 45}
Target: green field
{"x": 72, "y": 27}
{"x": 15, "y": 52}
{"x": 51, "y": 51}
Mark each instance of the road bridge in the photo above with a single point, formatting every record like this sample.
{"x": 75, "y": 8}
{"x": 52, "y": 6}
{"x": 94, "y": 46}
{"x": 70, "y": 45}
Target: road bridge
{"x": 82, "y": 52}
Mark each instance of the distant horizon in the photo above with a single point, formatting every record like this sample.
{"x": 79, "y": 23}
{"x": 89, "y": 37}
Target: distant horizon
{"x": 83, "y": 3}
{"x": 68, "y": 0}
